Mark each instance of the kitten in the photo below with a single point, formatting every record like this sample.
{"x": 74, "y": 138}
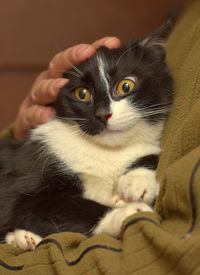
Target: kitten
{"x": 94, "y": 164}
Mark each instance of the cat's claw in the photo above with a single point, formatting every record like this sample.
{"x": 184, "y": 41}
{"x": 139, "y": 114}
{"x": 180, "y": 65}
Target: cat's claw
{"x": 138, "y": 185}
{"x": 23, "y": 239}
{"x": 112, "y": 222}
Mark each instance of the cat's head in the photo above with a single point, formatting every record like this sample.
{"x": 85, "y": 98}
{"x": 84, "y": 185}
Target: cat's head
{"x": 116, "y": 93}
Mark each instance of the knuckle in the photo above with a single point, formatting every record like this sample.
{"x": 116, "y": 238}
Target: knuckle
{"x": 31, "y": 115}
{"x": 37, "y": 114}
{"x": 40, "y": 95}
{"x": 44, "y": 86}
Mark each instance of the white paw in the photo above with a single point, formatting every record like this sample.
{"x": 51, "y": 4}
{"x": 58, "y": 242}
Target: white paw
{"x": 138, "y": 185}
{"x": 25, "y": 240}
{"x": 112, "y": 222}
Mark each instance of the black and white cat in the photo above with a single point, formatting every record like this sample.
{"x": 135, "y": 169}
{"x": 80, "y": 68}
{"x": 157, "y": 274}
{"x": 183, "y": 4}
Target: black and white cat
{"x": 94, "y": 164}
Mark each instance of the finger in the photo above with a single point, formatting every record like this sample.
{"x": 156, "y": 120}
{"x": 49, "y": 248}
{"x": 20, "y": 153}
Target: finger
{"x": 38, "y": 115}
{"x": 68, "y": 58}
{"x": 75, "y": 55}
{"x": 47, "y": 91}
{"x": 43, "y": 75}
{"x": 109, "y": 42}
{"x": 34, "y": 116}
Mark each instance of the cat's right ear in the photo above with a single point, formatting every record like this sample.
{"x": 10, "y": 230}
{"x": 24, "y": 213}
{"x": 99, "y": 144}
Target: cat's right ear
{"x": 158, "y": 37}
{"x": 156, "y": 40}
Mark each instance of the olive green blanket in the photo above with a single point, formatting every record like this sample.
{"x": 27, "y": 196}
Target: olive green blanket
{"x": 164, "y": 242}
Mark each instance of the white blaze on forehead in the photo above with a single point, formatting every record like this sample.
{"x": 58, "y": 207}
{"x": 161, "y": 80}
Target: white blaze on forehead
{"x": 103, "y": 74}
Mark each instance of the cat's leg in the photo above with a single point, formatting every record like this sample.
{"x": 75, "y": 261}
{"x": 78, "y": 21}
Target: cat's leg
{"x": 93, "y": 190}
{"x": 23, "y": 239}
{"x": 138, "y": 185}
{"x": 111, "y": 223}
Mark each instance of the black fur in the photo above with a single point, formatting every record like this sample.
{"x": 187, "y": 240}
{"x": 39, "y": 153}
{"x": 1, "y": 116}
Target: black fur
{"x": 43, "y": 201}
{"x": 36, "y": 194}
{"x": 150, "y": 162}
{"x": 146, "y": 62}
{"x": 154, "y": 83}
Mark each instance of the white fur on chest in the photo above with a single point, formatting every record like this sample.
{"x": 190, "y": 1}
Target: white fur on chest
{"x": 100, "y": 166}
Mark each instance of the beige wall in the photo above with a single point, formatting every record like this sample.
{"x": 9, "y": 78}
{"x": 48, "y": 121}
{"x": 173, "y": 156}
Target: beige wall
{"x": 32, "y": 31}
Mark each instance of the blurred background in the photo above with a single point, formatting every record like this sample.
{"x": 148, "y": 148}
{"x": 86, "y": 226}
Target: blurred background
{"x": 33, "y": 31}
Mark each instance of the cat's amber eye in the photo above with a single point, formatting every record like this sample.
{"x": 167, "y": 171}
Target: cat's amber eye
{"x": 126, "y": 86}
{"x": 82, "y": 94}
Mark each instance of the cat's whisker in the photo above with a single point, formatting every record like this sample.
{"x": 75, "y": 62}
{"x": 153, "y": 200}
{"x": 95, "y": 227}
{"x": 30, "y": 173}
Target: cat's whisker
{"x": 55, "y": 225}
{"x": 72, "y": 73}
{"x": 77, "y": 130}
{"x": 155, "y": 112}
{"x": 154, "y": 109}
{"x": 43, "y": 167}
{"x": 59, "y": 71}
{"x": 146, "y": 109}
{"x": 159, "y": 105}
{"x": 38, "y": 155}
{"x": 85, "y": 133}
{"x": 75, "y": 68}
{"x": 71, "y": 118}
{"x": 81, "y": 132}
{"x": 75, "y": 126}
{"x": 45, "y": 187}
{"x": 127, "y": 50}
{"x": 34, "y": 163}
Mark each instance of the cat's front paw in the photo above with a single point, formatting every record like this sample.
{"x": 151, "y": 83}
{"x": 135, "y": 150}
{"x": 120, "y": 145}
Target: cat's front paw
{"x": 23, "y": 239}
{"x": 112, "y": 222}
{"x": 116, "y": 201}
{"x": 138, "y": 185}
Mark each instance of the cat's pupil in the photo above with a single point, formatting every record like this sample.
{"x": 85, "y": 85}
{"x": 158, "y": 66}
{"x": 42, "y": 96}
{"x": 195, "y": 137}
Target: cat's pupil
{"x": 126, "y": 87}
{"x": 82, "y": 93}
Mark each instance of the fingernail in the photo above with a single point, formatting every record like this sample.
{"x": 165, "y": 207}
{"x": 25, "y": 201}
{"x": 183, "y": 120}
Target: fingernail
{"x": 33, "y": 96}
{"x": 47, "y": 115}
{"x": 51, "y": 65}
{"x": 81, "y": 49}
{"x": 60, "y": 83}
{"x": 111, "y": 42}
{"x": 57, "y": 85}
{"x": 51, "y": 114}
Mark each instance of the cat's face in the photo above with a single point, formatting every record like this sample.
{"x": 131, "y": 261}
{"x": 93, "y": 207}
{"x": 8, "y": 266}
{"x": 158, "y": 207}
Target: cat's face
{"x": 117, "y": 91}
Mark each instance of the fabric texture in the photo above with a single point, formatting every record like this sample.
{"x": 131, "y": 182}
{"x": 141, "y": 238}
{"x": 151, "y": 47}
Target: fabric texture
{"x": 8, "y": 133}
{"x": 168, "y": 240}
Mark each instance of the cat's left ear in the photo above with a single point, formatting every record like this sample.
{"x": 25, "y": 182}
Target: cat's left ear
{"x": 156, "y": 40}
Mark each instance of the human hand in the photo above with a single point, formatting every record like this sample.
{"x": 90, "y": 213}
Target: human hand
{"x": 33, "y": 110}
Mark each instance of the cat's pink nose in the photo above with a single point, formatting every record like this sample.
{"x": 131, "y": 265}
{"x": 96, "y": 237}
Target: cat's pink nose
{"x": 109, "y": 116}
{"x": 103, "y": 115}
